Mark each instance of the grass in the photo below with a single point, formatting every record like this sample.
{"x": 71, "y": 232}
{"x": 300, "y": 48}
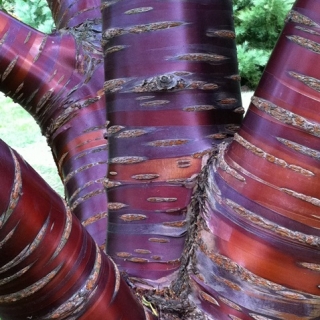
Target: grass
{"x": 20, "y": 132}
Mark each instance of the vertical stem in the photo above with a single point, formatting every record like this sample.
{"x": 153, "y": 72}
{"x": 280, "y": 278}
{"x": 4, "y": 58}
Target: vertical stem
{"x": 173, "y": 94}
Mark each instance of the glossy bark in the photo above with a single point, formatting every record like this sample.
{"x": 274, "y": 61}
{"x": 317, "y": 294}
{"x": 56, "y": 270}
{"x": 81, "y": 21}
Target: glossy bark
{"x": 172, "y": 92}
{"x": 58, "y": 79}
{"x": 50, "y": 267}
{"x": 251, "y": 235}
{"x": 261, "y": 256}
{"x": 69, "y": 14}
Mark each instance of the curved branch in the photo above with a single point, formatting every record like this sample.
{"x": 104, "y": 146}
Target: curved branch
{"x": 48, "y": 258}
{"x": 258, "y": 250}
{"x": 58, "y": 78}
{"x": 33, "y": 62}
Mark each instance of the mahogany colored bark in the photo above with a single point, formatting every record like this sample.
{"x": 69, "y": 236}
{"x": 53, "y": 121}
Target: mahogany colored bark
{"x": 58, "y": 79}
{"x": 50, "y": 267}
{"x": 260, "y": 257}
{"x": 172, "y": 92}
{"x": 253, "y": 253}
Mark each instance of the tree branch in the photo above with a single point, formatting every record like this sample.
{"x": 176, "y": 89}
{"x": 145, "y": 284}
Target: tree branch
{"x": 58, "y": 79}
{"x": 259, "y": 233}
{"x": 50, "y": 267}
{"x": 172, "y": 95}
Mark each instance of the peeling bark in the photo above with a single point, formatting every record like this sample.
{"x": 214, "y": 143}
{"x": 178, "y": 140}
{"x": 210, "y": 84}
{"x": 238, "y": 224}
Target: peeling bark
{"x": 239, "y": 240}
{"x": 58, "y": 79}
{"x": 257, "y": 251}
{"x": 169, "y": 88}
{"x": 50, "y": 267}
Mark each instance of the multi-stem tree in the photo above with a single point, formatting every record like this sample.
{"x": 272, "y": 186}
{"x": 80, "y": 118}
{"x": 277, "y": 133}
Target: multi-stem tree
{"x": 197, "y": 226}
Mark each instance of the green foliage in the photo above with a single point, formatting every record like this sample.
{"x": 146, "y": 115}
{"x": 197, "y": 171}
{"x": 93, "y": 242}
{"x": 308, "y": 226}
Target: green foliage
{"x": 251, "y": 63}
{"x": 35, "y": 13}
{"x": 258, "y": 24}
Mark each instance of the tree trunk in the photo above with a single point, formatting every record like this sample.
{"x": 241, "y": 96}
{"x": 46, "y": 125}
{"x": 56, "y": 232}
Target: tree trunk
{"x": 172, "y": 92}
{"x": 67, "y": 101}
{"x": 245, "y": 247}
{"x": 258, "y": 242}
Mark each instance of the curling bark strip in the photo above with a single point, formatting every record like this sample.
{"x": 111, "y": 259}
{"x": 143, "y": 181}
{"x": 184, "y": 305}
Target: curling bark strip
{"x": 58, "y": 79}
{"x": 258, "y": 253}
{"x": 50, "y": 267}
{"x": 172, "y": 92}
{"x": 68, "y": 14}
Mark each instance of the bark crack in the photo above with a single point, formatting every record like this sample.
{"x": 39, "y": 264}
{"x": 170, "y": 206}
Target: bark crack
{"x": 16, "y": 192}
{"x": 140, "y": 28}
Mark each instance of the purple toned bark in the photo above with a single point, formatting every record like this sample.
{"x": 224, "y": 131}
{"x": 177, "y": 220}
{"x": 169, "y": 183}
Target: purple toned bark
{"x": 172, "y": 92}
{"x": 248, "y": 248}
{"x": 50, "y": 267}
{"x": 72, "y": 13}
{"x": 258, "y": 253}
{"x": 58, "y": 79}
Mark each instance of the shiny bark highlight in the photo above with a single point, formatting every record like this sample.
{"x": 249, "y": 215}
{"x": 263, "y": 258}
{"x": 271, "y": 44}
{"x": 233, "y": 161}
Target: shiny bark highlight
{"x": 172, "y": 93}
{"x": 258, "y": 251}
{"x": 50, "y": 266}
{"x": 58, "y": 79}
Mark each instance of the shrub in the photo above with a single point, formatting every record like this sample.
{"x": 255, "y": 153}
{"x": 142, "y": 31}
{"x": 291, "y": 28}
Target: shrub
{"x": 251, "y": 63}
{"x": 35, "y": 13}
{"x": 258, "y": 24}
